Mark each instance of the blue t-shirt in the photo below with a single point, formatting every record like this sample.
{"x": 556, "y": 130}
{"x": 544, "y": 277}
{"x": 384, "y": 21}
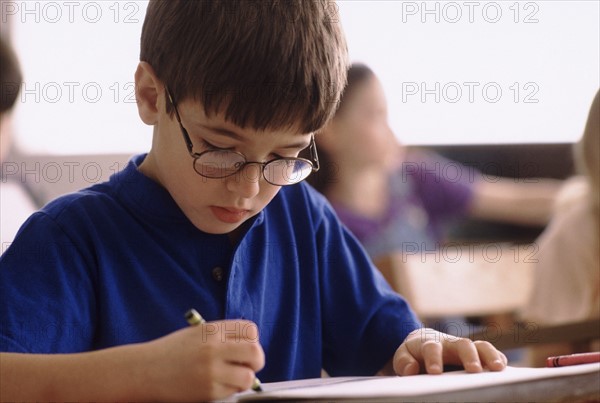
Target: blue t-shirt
{"x": 119, "y": 263}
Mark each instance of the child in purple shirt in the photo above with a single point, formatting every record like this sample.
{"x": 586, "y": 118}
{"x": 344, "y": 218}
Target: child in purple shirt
{"x": 422, "y": 200}
{"x": 395, "y": 200}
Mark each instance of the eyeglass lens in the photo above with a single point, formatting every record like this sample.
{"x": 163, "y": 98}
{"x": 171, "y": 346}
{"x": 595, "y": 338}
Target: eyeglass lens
{"x": 281, "y": 172}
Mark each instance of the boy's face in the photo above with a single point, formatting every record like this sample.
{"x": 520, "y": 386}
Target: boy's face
{"x": 215, "y": 206}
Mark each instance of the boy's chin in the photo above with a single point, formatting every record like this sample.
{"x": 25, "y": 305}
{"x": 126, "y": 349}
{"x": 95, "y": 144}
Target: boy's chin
{"x": 220, "y": 228}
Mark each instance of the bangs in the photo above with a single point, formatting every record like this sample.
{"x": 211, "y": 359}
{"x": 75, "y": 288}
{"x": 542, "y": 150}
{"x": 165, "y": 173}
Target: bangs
{"x": 262, "y": 65}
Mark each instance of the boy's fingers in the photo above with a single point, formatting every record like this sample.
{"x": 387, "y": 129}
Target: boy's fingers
{"x": 233, "y": 330}
{"x": 467, "y": 353}
{"x": 219, "y": 380}
{"x": 491, "y": 358}
{"x": 404, "y": 363}
{"x": 240, "y": 330}
{"x": 432, "y": 356}
{"x": 249, "y": 354}
{"x": 222, "y": 390}
{"x": 237, "y": 377}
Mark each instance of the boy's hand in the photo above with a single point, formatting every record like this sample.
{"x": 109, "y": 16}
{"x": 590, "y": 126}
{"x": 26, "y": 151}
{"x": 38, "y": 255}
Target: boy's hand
{"x": 205, "y": 362}
{"x": 427, "y": 350}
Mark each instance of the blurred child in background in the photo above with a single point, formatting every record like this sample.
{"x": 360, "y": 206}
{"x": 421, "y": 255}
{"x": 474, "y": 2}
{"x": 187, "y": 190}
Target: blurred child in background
{"x": 390, "y": 197}
{"x": 567, "y": 280}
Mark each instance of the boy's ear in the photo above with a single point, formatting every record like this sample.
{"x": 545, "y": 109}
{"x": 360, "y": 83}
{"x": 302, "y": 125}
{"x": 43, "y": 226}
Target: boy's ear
{"x": 148, "y": 89}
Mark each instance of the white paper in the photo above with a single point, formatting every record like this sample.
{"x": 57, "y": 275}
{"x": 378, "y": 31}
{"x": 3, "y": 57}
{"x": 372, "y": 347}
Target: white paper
{"x": 394, "y": 386}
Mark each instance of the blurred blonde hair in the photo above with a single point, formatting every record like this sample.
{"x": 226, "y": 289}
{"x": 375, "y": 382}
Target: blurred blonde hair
{"x": 587, "y": 152}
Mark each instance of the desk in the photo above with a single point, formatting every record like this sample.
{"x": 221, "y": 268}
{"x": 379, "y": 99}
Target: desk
{"x": 580, "y": 388}
{"x": 462, "y": 280}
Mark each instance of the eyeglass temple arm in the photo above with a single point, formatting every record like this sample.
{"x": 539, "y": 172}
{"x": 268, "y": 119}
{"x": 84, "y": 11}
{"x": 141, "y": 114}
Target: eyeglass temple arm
{"x": 313, "y": 153}
{"x": 186, "y": 136}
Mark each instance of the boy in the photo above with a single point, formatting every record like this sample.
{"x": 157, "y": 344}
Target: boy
{"x": 234, "y": 92}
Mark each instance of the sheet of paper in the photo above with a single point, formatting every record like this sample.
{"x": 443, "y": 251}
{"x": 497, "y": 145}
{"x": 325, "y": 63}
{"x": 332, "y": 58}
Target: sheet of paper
{"x": 388, "y": 387}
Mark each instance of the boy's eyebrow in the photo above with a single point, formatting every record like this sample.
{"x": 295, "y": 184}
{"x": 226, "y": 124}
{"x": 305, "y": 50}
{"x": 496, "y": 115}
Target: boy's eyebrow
{"x": 236, "y": 136}
{"x": 223, "y": 132}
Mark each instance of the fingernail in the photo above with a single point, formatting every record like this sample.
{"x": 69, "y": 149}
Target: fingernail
{"x": 435, "y": 368}
{"x": 404, "y": 370}
{"x": 498, "y": 363}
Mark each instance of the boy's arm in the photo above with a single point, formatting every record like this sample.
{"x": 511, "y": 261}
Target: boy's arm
{"x": 192, "y": 364}
{"x": 427, "y": 350}
{"x": 106, "y": 375}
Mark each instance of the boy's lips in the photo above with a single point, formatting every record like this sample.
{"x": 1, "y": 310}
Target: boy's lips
{"x": 229, "y": 215}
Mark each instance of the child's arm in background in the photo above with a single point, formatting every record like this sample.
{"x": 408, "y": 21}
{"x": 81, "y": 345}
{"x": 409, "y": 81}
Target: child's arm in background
{"x": 192, "y": 364}
{"x": 525, "y": 203}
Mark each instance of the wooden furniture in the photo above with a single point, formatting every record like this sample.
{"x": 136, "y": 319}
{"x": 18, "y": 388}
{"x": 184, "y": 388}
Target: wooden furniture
{"x": 489, "y": 282}
{"x": 465, "y": 280}
{"x": 579, "y": 334}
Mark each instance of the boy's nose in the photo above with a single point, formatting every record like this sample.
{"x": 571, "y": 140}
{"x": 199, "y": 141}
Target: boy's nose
{"x": 246, "y": 182}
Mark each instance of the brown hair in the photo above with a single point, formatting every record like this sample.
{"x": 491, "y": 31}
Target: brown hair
{"x": 264, "y": 64}
{"x": 358, "y": 73}
{"x": 10, "y": 76}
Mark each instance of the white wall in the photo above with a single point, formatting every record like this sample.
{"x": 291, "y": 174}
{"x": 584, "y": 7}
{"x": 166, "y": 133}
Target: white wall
{"x": 551, "y": 49}
{"x": 79, "y": 58}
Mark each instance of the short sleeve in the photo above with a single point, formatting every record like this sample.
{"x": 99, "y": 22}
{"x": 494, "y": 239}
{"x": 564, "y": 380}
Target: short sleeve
{"x": 46, "y": 291}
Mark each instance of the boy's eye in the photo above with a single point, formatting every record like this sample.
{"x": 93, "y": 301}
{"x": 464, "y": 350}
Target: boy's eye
{"x": 209, "y": 146}
{"x": 205, "y": 144}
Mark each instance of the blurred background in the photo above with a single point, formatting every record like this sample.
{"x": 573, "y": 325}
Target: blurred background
{"x": 482, "y": 72}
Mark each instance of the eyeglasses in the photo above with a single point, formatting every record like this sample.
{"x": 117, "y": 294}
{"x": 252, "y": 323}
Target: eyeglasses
{"x": 217, "y": 164}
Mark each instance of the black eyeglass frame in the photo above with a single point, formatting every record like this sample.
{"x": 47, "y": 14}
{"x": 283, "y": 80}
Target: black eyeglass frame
{"x": 190, "y": 146}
